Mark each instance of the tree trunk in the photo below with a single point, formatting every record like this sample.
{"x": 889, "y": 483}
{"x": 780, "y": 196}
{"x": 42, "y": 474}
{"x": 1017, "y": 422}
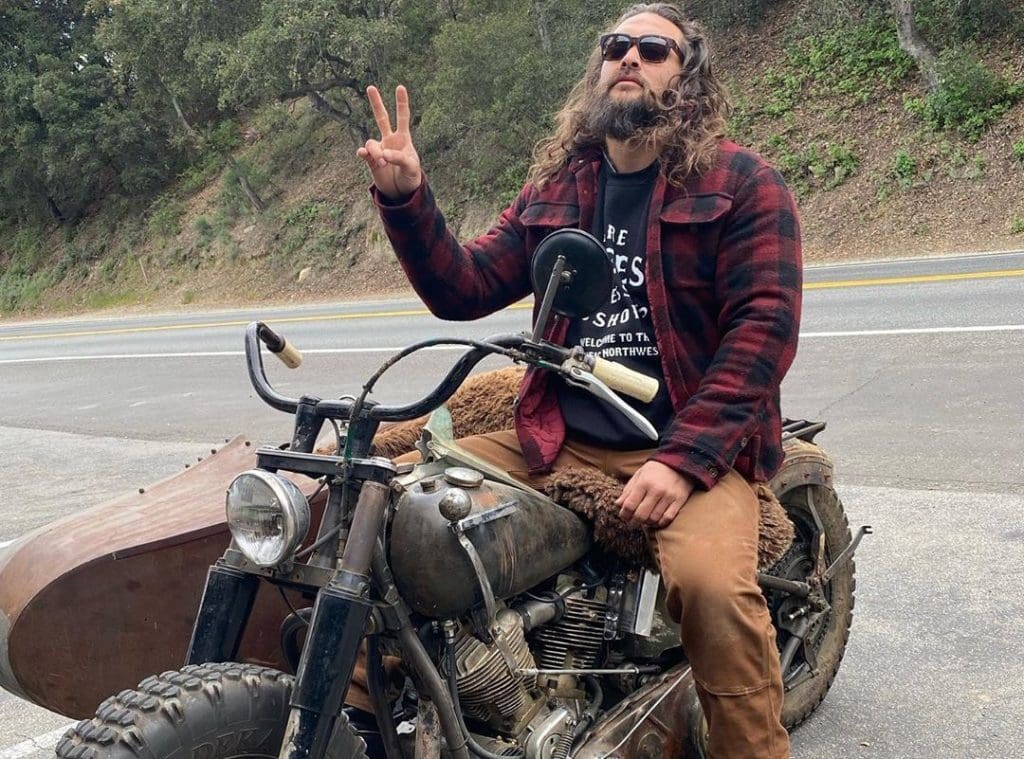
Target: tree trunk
{"x": 542, "y": 26}
{"x": 255, "y": 201}
{"x": 251, "y": 195}
{"x": 55, "y": 211}
{"x": 196, "y": 137}
{"x": 913, "y": 44}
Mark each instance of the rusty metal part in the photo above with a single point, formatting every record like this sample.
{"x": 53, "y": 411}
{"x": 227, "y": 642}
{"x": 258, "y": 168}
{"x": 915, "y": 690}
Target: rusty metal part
{"x": 660, "y": 719}
{"x": 137, "y": 564}
{"x": 532, "y": 540}
{"x": 428, "y": 731}
{"x": 847, "y": 553}
{"x": 804, "y": 464}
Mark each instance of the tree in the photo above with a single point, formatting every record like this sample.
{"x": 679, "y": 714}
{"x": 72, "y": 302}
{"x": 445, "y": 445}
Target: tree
{"x": 327, "y": 51}
{"x": 914, "y": 44}
{"x": 169, "y": 53}
{"x": 67, "y": 133}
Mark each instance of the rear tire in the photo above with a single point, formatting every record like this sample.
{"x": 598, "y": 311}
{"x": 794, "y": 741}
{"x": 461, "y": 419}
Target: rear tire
{"x": 208, "y": 711}
{"x": 805, "y": 687}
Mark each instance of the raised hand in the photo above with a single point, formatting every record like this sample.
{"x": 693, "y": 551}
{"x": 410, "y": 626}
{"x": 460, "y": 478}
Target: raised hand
{"x": 392, "y": 159}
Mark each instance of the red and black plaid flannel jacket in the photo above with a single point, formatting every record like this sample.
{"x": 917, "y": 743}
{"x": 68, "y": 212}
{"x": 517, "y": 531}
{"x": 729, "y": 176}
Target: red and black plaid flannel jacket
{"x": 724, "y": 281}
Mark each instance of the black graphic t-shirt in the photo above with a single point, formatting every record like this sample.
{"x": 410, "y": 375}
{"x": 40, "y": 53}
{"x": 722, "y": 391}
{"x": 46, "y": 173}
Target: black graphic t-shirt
{"x": 621, "y": 330}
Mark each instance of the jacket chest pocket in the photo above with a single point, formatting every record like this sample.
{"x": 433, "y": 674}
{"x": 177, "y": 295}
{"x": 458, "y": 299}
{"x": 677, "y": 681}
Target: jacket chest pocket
{"x": 691, "y": 229}
{"x": 541, "y": 218}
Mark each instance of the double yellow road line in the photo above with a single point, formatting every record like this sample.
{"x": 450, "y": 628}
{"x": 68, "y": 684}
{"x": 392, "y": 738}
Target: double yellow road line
{"x": 830, "y": 285}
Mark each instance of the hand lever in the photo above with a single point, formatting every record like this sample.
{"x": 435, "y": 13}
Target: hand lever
{"x": 578, "y": 377}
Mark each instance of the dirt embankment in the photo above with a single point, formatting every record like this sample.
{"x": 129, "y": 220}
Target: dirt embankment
{"x": 912, "y": 192}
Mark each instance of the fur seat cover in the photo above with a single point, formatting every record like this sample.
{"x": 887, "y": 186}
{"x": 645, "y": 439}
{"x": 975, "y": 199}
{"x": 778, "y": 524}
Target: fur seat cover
{"x": 484, "y": 404}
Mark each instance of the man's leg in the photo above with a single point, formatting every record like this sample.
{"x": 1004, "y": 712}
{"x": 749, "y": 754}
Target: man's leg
{"x": 708, "y": 561}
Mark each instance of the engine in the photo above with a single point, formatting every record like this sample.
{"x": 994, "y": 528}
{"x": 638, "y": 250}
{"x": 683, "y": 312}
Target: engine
{"x": 566, "y": 630}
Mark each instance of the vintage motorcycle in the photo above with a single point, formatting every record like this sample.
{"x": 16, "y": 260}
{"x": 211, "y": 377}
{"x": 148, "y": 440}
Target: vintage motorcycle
{"x": 506, "y": 629}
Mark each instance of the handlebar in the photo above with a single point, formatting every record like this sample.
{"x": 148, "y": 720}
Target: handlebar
{"x": 342, "y": 409}
{"x": 597, "y": 375}
{"x": 287, "y": 353}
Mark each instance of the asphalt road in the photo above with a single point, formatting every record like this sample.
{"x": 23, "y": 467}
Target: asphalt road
{"x": 916, "y": 366}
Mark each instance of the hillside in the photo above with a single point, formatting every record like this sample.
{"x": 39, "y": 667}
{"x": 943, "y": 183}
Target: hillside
{"x": 834, "y": 110}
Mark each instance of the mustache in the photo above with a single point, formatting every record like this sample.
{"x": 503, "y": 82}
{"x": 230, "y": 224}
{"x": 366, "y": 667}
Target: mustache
{"x": 626, "y": 76}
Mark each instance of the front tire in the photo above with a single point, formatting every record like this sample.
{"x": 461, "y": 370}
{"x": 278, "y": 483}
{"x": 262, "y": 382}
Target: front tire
{"x": 208, "y": 711}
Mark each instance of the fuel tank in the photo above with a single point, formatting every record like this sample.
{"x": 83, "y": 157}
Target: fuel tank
{"x": 521, "y": 537}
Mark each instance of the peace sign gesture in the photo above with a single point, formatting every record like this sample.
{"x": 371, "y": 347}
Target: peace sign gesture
{"x": 392, "y": 159}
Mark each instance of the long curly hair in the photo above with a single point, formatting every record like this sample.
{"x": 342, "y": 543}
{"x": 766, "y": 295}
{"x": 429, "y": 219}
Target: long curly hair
{"x": 692, "y": 112}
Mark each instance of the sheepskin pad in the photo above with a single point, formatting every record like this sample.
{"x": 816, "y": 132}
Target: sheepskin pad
{"x": 484, "y": 404}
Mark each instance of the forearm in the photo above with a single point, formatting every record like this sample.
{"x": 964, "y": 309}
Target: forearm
{"x": 455, "y": 281}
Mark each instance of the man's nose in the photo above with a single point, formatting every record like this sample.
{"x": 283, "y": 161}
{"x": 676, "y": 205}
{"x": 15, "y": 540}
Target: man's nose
{"x": 632, "y": 57}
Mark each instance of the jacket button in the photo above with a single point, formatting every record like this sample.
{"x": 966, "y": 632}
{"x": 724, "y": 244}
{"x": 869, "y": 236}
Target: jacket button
{"x": 744, "y": 441}
{"x": 712, "y": 470}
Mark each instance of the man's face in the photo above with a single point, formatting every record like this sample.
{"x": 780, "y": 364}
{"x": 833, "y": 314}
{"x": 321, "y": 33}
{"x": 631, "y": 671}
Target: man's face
{"x": 629, "y": 78}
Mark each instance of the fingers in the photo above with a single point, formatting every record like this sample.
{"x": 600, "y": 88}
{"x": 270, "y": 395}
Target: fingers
{"x": 373, "y": 154}
{"x": 380, "y": 113}
{"x": 653, "y": 496}
{"x": 670, "y": 514}
{"x": 402, "y": 109}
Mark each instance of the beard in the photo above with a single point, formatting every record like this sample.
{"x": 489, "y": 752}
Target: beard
{"x": 621, "y": 120}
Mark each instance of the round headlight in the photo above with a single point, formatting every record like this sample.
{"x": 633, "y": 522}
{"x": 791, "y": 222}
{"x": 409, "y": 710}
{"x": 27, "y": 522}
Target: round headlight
{"x": 268, "y": 516}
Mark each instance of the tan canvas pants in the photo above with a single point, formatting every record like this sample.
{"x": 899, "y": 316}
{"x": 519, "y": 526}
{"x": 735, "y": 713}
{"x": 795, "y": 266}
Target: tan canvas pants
{"x": 708, "y": 562}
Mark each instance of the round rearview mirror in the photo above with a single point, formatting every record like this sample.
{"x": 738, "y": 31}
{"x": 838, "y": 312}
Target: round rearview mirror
{"x": 584, "y": 278}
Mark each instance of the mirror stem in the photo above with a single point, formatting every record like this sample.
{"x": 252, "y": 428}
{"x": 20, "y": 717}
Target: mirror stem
{"x": 559, "y": 277}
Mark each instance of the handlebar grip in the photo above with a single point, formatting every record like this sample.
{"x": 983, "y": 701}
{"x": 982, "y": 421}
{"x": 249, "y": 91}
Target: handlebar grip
{"x": 624, "y": 380}
{"x": 288, "y": 354}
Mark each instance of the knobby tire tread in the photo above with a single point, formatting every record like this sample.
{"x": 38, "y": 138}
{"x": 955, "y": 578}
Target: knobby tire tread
{"x": 177, "y": 713}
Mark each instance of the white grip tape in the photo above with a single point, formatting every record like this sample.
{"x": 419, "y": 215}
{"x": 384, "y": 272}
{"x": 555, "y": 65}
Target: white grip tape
{"x": 625, "y": 380}
{"x": 290, "y": 356}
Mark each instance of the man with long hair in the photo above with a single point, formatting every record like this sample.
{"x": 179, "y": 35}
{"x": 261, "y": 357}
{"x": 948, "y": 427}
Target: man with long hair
{"x": 705, "y": 240}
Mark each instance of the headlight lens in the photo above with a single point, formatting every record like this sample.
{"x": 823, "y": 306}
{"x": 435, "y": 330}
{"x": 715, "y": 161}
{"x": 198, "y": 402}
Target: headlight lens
{"x": 268, "y": 516}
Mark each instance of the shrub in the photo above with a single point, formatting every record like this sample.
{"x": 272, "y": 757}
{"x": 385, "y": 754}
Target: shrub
{"x": 970, "y": 97}
{"x": 904, "y": 168}
{"x": 165, "y": 220}
{"x": 1018, "y": 150}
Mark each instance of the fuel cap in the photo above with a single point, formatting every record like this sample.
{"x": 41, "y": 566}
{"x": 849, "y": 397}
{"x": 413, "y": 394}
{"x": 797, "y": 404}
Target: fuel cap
{"x": 463, "y": 477}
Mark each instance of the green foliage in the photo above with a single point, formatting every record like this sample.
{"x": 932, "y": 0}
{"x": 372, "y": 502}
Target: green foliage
{"x": 165, "y": 218}
{"x": 732, "y": 13}
{"x": 970, "y": 97}
{"x": 856, "y": 60}
{"x": 822, "y": 166}
{"x": 19, "y": 291}
{"x": 949, "y": 22}
{"x": 904, "y": 168}
{"x": 1017, "y": 225}
{"x": 1018, "y": 150}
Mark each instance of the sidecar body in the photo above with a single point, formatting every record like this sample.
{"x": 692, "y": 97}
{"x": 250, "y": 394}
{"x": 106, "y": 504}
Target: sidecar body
{"x": 95, "y": 602}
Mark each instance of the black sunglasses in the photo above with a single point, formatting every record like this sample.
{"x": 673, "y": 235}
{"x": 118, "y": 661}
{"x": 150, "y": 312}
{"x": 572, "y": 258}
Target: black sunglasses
{"x": 653, "y": 48}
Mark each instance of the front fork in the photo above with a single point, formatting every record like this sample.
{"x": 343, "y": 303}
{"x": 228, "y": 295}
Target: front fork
{"x": 336, "y": 630}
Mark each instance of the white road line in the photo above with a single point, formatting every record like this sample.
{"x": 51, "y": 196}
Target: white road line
{"x": 916, "y": 331}
{"x": 5, "y": 543}
{"x": 44, "y": 742}
{"x": 392, "y": 349}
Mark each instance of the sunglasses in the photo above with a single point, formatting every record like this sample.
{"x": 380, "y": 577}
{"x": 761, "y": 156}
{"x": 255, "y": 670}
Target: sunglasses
{"x": 653, "y": 48}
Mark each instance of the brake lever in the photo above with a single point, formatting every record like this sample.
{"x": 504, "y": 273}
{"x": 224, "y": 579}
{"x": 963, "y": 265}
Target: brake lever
{"x": 579, "y": 377}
